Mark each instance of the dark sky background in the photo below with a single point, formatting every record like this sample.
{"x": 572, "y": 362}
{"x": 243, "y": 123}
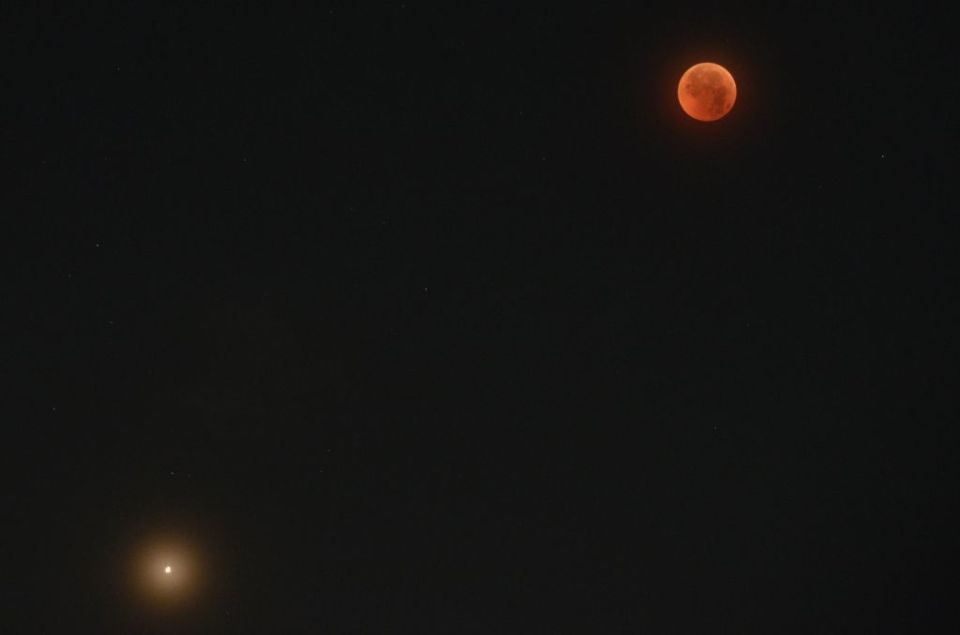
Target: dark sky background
{"x": 446, "y": 319}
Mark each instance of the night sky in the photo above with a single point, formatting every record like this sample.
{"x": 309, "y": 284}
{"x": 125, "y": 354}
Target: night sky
{"x": 446, "y": 319}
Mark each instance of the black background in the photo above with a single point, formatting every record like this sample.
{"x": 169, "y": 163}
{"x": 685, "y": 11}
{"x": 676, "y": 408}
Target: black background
{"x": 447, "y": 320}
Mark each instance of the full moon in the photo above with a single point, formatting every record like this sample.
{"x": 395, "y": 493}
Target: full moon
{"x": 707, "y": 91}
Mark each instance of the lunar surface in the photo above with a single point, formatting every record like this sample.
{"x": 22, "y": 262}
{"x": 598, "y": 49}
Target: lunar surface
{"x": 707, "y": 91}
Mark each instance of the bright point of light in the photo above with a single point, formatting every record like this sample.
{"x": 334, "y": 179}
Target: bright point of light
{"x": 167, "y": 572}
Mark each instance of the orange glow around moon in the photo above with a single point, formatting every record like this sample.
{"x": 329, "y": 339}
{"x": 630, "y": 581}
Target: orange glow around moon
{"x": 707, "y": 91}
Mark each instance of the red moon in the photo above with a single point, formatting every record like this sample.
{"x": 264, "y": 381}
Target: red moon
{"x": 707, "y": 91}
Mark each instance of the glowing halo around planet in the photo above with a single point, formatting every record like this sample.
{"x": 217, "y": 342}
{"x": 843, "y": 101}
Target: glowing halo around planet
{"x": 167, "y": 571}
{"x": 706, "y": 91}
{"x": 166, "y": 574}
